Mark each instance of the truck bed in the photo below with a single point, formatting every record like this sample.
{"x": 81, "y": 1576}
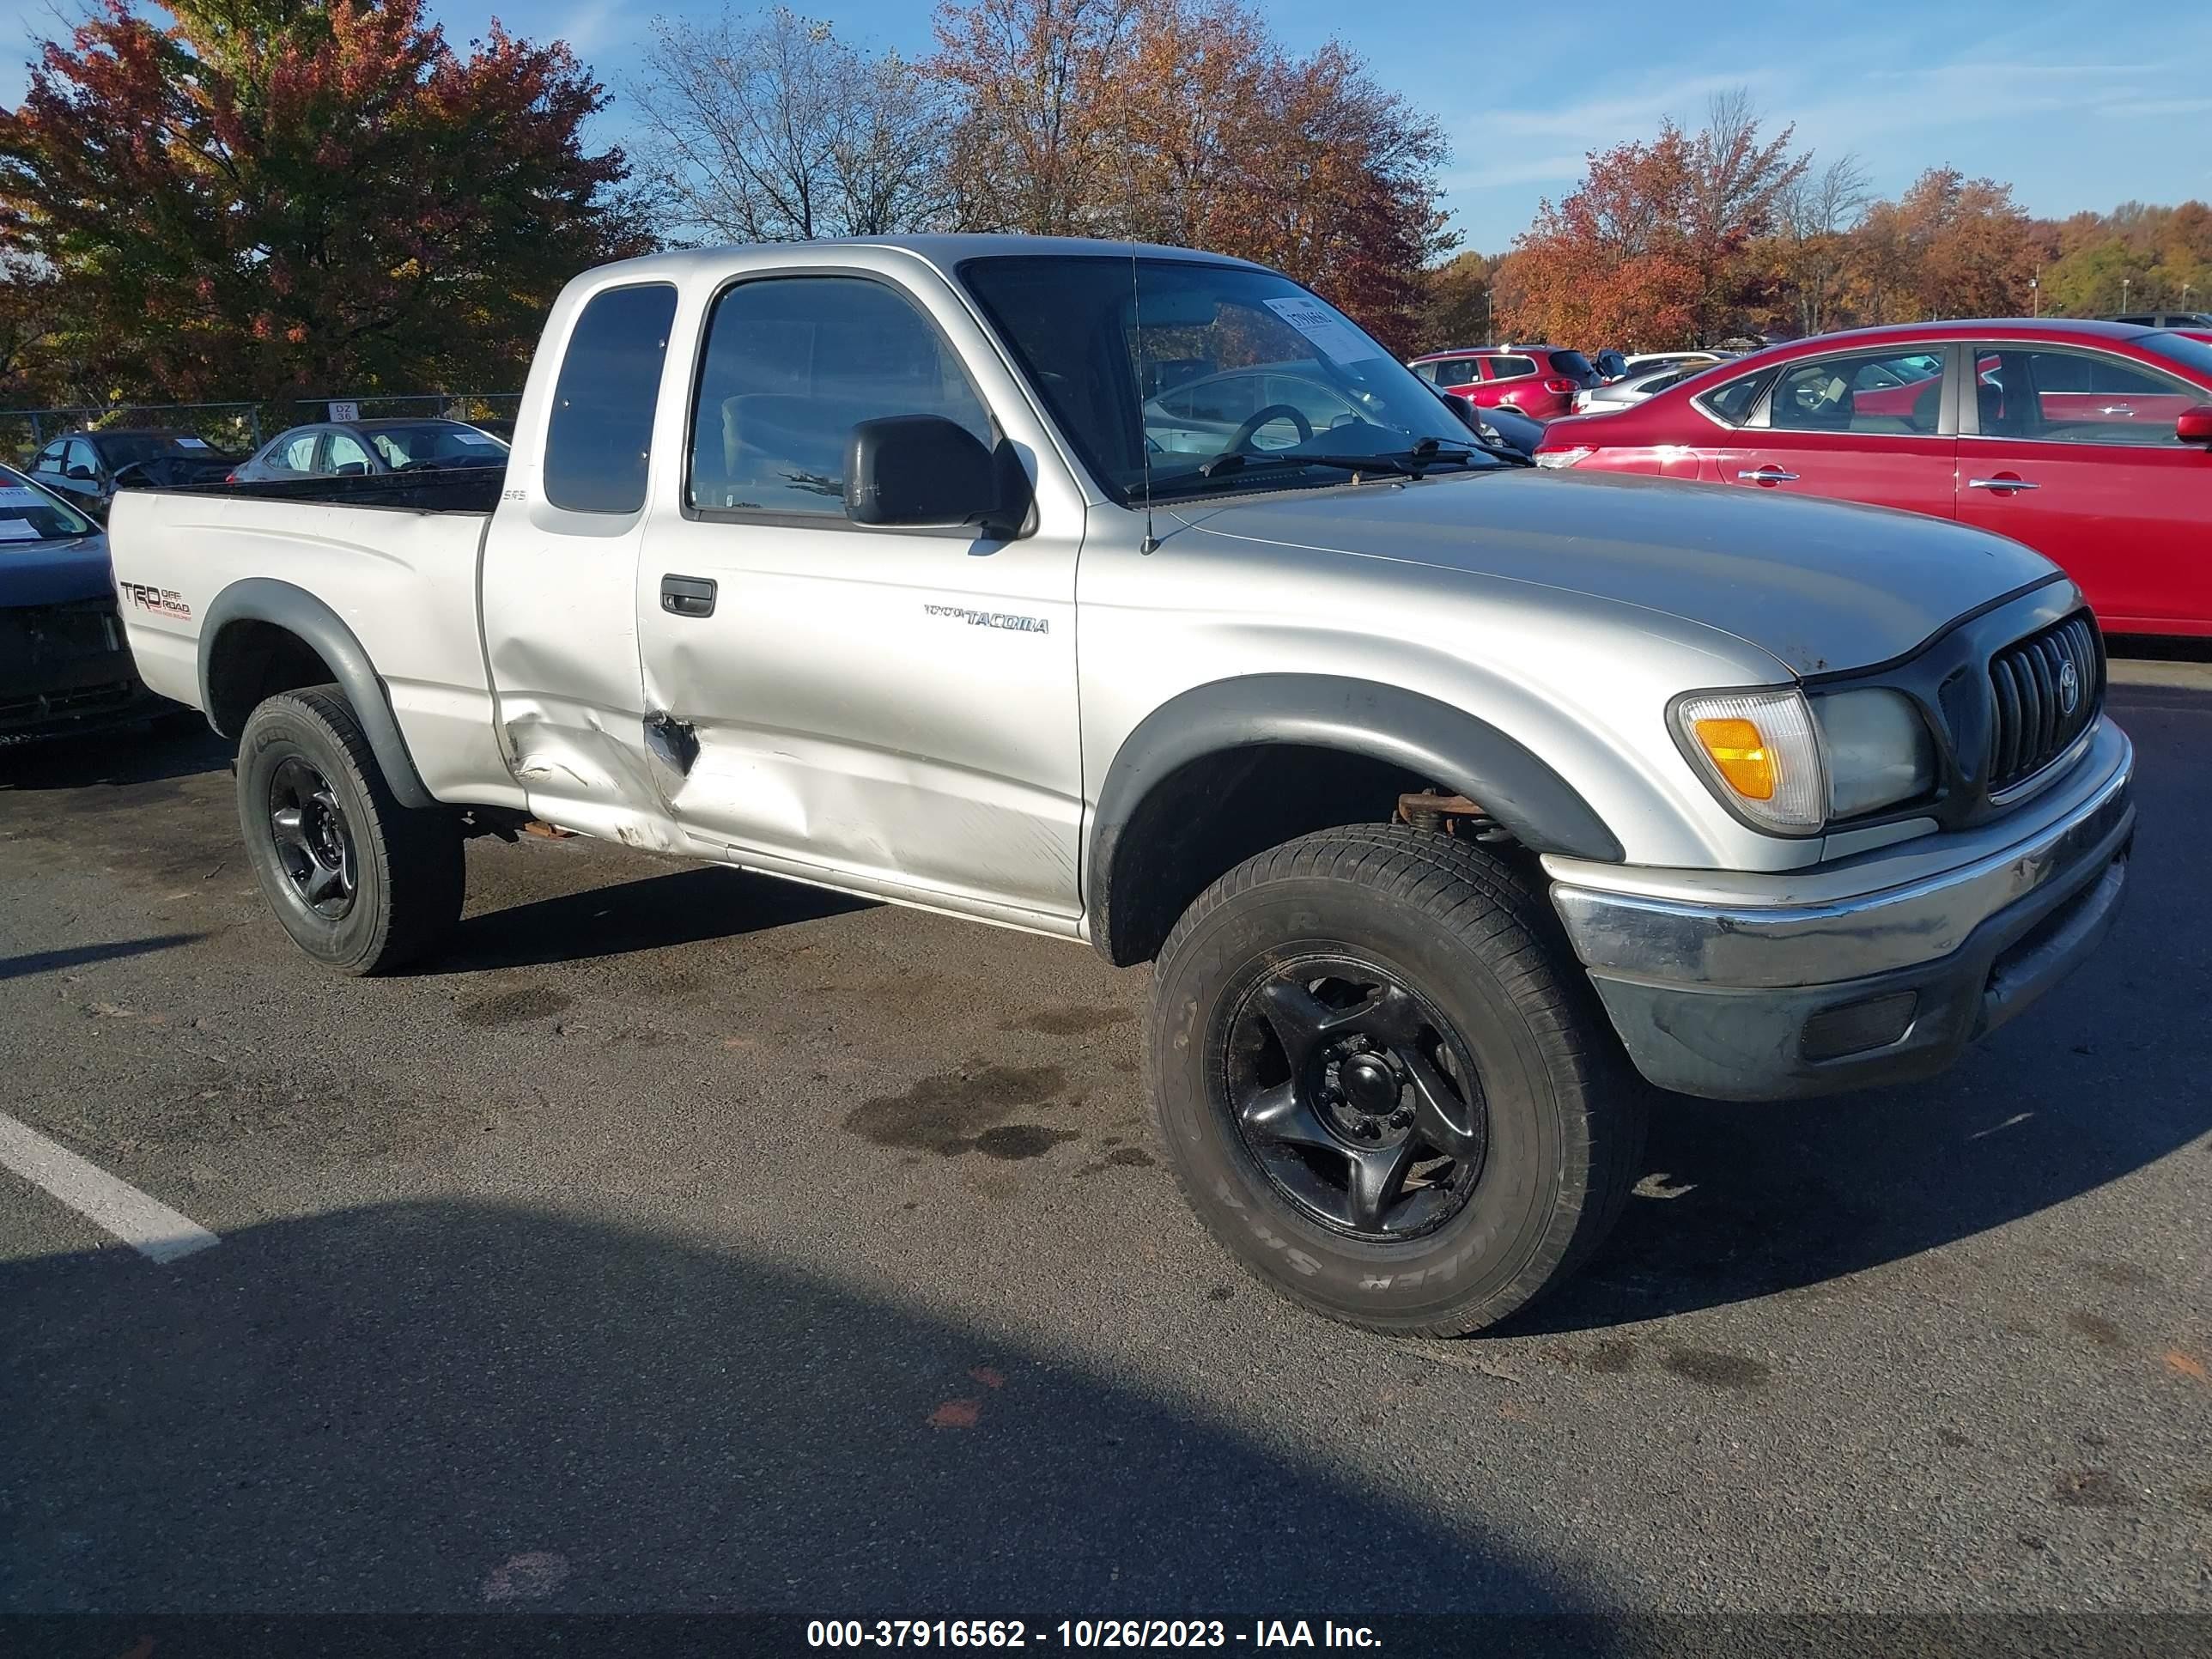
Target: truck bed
{"x": 393, "y": 559}
{"x": 443, "y": 489}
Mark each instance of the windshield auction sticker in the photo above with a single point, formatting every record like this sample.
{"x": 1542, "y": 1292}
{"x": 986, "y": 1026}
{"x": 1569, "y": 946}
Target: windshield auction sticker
{"x": 1337, "y": 339}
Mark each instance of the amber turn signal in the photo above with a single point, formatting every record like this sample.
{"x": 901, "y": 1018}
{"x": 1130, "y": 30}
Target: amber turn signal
{"x": 1740, "y": 756}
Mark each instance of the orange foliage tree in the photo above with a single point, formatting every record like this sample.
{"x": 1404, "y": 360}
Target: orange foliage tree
{"x": 1182, "y": 121}
{"x": 1659, "y": 244}
{"x": 258, "y": 197}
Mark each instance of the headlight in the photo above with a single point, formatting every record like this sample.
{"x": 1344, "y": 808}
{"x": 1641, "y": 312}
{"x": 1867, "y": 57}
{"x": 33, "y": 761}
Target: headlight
{"x": 1558, "y": 457}
{"x": 1758, "y": 752}
{"x": 1878, "y": 751}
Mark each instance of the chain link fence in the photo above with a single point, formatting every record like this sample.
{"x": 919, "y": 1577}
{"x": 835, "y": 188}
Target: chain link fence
{"x": 241, "y": 428}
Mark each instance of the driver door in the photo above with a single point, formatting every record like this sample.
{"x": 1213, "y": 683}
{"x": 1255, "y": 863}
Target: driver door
{"x": 890, "y": 710}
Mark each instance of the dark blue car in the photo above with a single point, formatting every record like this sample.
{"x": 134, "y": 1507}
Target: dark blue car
{"x": 65, "y": 666}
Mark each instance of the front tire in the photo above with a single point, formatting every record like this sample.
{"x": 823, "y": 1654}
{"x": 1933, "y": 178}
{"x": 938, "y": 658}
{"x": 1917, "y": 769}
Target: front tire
{"x": 1383, "y": 1086}
{"x": 362, "y": 884}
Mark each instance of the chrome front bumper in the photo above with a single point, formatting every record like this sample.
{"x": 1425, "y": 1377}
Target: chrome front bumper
{"x": 1874, "y": 969}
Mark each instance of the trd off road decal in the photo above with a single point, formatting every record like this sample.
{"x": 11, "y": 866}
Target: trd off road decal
{"x": 161, "y": 601}
{"x": 991, "y": 618}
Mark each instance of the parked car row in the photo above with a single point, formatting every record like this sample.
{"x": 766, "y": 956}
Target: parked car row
{"x": 87, "y": 468}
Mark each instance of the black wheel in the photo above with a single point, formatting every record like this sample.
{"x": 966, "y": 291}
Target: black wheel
{"x": 1384, "y": 1086}
{"x": 360, "y": 883}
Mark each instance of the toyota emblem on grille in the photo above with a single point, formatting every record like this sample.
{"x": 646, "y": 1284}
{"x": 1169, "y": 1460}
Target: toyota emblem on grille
{"x": 2069, "y": 686}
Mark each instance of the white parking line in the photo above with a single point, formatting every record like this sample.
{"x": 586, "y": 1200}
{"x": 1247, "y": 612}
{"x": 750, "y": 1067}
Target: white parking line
{"x": 147, "y": 1226}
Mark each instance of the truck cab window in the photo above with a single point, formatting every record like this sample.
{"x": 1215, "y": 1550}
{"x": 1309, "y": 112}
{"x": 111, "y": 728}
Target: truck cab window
{"x": 600, "y": 435}
{"x": 791, "y": 366}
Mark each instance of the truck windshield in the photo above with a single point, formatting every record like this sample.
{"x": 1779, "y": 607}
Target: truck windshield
{"x": 1186, "y": 363}
{"x": 28, "y": 514}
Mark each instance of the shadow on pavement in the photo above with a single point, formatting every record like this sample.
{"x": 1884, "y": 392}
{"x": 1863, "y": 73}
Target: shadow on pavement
{"x": 682, "y": 908}
{"x": 75, "y": 955}
{"x": 2101, "y": 1079}
{"x": 464, "y": 1407}
{"x": 119, "y": 757}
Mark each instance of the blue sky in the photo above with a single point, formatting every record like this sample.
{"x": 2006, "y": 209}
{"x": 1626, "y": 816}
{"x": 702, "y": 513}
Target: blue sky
{"x": 2078, "y": 104}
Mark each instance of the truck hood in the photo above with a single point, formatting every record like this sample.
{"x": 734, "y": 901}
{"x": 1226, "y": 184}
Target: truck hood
{"x": 1821, "y": 585}
{"x": 54, "y": 572}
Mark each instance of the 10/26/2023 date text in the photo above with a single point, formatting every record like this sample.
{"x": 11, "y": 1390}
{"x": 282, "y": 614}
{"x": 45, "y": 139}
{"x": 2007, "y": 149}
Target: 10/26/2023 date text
{"x": 1086, "y": 1633}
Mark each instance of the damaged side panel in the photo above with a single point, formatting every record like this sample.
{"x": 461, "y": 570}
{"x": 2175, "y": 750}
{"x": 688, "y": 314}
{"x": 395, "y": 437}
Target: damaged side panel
{"x": 883, "y": 816}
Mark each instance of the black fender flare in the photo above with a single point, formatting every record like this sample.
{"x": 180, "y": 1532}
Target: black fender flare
{"x": 262, "y": 598}
{"x": 1432, "y": 739}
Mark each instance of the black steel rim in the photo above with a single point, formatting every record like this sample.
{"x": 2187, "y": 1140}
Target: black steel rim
{"x": 314, "y": 844}
{"x": 1354, "y": 1095}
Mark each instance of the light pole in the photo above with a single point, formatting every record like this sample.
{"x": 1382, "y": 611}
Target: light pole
{"x": 2124, "y": 284}
{"x": 2035, "y": 293}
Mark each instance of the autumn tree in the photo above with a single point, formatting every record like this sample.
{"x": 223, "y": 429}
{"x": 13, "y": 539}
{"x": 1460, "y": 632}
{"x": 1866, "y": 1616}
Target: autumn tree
{"x": 767, "y": 127}
{"x": 1949, "y": 247}
{"x": 264, "y": 197}
{"x": 1031, "y": 149}
{"x": 1813, "y": 246}
{"x": 1183, "y": 121}
{"x": 32, "y": 318}
{"x": 1609, "y": 263}
{"x": 1658, "y": 245}
{"x": 2134, "y": 257}
{"x": 1738, "y": 190}
{"x": 1455, "y": 302}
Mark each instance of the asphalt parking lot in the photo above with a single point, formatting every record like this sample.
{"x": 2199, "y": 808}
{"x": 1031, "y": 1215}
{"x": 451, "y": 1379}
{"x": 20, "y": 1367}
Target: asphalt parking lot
{"x": 688, "y": 1240}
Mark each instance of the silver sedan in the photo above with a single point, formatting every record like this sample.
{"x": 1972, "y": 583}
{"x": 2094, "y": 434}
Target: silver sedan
{"x": 1619, "y": 394}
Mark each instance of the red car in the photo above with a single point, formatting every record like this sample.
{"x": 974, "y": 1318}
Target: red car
{"x": 2091, "y": 442}
{"x": 1538, "y": 380}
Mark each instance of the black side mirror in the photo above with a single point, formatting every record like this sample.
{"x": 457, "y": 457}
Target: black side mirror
{"x": 82, "y": 474}
{"x": 924, "y": 472}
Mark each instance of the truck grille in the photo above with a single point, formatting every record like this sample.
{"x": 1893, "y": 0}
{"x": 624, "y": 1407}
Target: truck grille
{"x": 2046, "y": 690}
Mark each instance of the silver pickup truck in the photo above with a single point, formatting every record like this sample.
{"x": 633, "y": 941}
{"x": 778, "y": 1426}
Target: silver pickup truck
{"x": 1138, "y": 597}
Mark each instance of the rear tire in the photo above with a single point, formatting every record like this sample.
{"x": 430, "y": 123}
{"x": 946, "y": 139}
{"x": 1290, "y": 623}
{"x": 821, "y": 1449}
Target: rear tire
{"x": 1385, "y": 1086}
{"x": 362, "y": 885}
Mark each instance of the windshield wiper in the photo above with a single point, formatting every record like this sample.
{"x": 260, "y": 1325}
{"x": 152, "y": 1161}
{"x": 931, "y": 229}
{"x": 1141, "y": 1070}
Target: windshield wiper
{"x": 1404, "y": 463}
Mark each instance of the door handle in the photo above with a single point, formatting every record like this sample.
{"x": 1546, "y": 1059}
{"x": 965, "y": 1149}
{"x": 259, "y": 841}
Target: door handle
{"x": 687, "y": 596}
{"x": 2115, "y": 408}
{"x": 2006, "y": 485}
{"x": 1767, "y": 475}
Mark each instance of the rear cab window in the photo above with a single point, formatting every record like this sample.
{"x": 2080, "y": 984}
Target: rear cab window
{"x": 599, "y": 440}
